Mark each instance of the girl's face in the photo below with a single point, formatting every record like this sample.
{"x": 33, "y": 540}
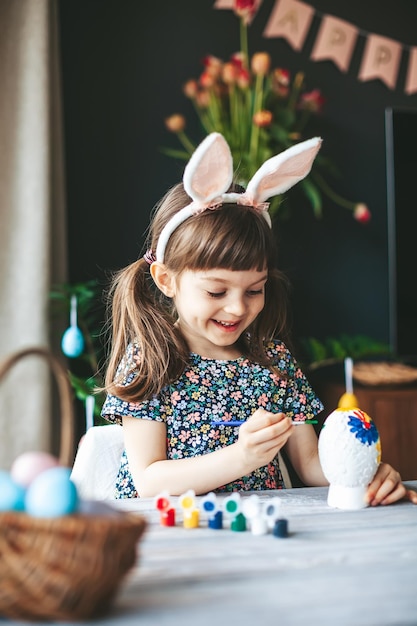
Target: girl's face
{"x": 216, "y": 306}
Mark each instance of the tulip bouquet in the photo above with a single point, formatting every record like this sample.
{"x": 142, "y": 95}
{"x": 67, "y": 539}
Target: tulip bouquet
{"x": 261, "y": 112}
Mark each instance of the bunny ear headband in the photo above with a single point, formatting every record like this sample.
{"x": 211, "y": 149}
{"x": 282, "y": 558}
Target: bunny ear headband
{"x": 209, "y": 174}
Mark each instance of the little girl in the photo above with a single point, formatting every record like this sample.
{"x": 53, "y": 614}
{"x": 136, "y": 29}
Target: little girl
{"x": 206, "y": 394}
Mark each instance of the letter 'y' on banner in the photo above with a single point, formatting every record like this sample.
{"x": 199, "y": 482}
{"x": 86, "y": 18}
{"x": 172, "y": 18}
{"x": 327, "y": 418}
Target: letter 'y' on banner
{"x": 411, "y": 81}
{"x": 381, "y": 60}
{"x": 290, "y": 19}
{"x": 335, "y": 41}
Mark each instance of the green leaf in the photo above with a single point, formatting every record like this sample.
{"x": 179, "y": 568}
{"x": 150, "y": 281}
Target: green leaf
{"x": 176, "y": 154}
{"x": 316, "y": 351}
{"x": 313, "y": 195}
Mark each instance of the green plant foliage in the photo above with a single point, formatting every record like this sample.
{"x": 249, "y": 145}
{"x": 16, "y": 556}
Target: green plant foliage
{"x": 334, "y": 349}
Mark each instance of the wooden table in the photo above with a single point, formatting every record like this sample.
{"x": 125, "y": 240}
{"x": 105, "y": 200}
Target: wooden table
{"x": 337, "y": 568}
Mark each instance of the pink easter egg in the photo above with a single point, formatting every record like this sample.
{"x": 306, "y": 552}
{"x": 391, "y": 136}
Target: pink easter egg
{"x": 29, "y": 465}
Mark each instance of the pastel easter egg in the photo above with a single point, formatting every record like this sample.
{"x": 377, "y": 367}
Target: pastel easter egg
{"x": 12, "y": 495}
{"x": 52, "y": 494}
{"x": 350, "y": 452}
{"x": 72, "y": 342}
{"x": 29, "y": 465}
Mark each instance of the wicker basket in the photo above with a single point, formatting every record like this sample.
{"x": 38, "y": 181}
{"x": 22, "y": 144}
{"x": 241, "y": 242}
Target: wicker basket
{"x": 384, "y": 373}
{"x": 70, "y": 567}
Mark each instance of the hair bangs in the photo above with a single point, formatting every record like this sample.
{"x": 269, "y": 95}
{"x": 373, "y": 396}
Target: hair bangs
{"x": 232, "y": 237}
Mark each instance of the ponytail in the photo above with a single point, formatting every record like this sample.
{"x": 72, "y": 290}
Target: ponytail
{"x": 141, "y": 315}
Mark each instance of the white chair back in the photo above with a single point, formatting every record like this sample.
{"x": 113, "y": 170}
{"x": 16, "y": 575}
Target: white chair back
{"x": 97, "y": 462}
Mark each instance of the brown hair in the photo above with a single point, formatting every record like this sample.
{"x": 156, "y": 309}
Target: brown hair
{"x": 232, "y": 237}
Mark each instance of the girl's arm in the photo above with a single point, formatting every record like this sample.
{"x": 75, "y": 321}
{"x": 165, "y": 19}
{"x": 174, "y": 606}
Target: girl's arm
{"x": 260, "y": 439}
{"x": 302, "y": 450}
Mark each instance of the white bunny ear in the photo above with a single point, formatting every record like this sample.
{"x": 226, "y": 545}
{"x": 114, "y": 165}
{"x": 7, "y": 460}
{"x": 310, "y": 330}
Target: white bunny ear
{"x": 283, "y": 171}
{"x": 209, "y": 172}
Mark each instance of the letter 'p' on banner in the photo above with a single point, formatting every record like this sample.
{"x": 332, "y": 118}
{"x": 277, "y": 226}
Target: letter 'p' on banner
{"x": 335, "y": 41}
{"x": 381, "y": 60}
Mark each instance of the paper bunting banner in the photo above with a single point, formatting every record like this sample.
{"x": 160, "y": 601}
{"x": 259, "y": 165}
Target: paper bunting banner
{"x": 381, "y": 59}
{"x": 335, "y": 41}
{"x": 411, "y": 81}
{"x": 290, "y": 19}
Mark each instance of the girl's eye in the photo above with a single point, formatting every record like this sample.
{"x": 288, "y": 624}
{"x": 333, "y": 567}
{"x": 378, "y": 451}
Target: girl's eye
{"x": 258, "y": 292}
{"x": 216, "y": 294}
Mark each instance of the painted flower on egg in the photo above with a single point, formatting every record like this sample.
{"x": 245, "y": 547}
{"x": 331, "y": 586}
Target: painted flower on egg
{"x": 361, "y": 425}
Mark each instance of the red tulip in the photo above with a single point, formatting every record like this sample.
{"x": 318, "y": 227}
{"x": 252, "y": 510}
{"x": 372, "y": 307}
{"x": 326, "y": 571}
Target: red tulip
{"x": 312, "y": 101}
{"x": 361, "y": 213}
{"x": 213, "y": 65}
{"x": 245, "y": 9}
{"x": 238, "y": 60}
{"x": 243, "y": 78}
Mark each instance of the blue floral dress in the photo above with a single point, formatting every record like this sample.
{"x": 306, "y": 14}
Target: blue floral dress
{"x": 213, "y": 390}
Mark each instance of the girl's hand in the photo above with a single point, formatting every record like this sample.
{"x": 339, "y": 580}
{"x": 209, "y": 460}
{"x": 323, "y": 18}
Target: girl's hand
{"x": 386, "y": 487}
{"x": 262, "y": 436}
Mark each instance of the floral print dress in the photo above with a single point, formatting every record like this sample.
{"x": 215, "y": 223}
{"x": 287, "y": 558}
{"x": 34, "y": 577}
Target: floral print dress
{"x": 215, "y": 390}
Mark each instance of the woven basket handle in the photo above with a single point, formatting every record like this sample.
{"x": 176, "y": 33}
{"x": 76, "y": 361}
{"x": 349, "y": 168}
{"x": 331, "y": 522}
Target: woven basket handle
{"x": 65, "y": 396}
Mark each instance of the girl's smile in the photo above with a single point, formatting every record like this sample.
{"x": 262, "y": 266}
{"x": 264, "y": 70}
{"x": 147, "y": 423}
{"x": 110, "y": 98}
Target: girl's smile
{"x": 216, "y": 306}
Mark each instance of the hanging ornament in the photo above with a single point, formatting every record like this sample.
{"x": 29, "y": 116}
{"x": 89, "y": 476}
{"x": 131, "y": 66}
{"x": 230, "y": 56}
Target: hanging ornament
{"x": 72, "y": 343}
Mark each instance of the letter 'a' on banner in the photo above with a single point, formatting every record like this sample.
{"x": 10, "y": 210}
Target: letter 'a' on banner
{"x": 411, "y": 80}
{"x": 335, "y": 41}
{"x": 290, "y": 19}
{"x": 381, "y": 60}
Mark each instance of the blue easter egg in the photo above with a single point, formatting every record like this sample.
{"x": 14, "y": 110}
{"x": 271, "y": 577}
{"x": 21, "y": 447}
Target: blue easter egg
{"x": 72, "y": 342}
{"x": 12, "y": 495}
{"x": 52, "y": 494}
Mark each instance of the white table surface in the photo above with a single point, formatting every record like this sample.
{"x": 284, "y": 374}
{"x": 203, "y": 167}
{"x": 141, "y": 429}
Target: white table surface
{"x": 338, "y": 568}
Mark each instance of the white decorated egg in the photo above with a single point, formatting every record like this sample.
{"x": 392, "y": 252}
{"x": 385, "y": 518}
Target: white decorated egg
{"x": 12, "y": 495}
{"x": 29, "y": 465}
{"x": 350, "y": 452}
{"x": 52, "y": 494}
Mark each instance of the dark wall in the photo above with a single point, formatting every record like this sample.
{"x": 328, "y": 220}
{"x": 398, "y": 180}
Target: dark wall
{"x": 123, "y": 65}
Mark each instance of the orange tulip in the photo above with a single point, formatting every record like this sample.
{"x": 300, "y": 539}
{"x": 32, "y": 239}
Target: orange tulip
{"x": 262, "y": 118}
{"x": 203, "y": 99}
{"x": 206, "y": 80}
{"x": 229, "y": 73}
{"x": 261, "y": 62}
{"x": 190, "y": 88}
{"x": 175, "y": 123}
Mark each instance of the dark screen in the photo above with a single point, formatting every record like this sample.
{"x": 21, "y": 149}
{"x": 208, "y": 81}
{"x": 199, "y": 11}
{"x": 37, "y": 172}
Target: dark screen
{"x": 401, "y": 144}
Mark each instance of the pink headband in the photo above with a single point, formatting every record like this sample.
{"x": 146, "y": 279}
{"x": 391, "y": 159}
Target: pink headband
{"x": 209, "y": 173}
